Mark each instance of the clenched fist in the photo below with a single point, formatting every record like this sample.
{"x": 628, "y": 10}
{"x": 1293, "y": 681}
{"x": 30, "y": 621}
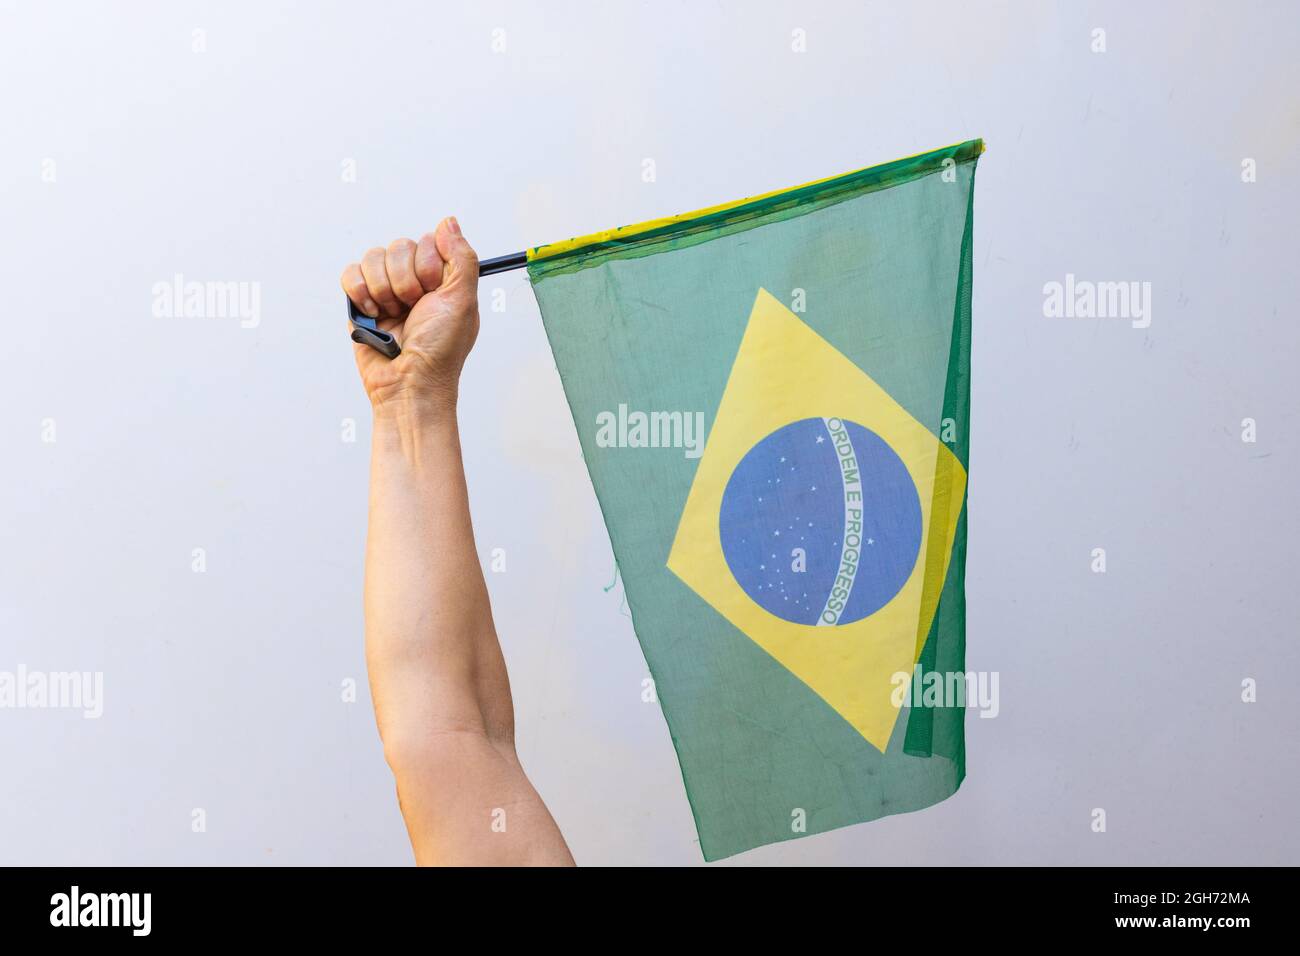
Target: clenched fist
{"x": 426, "y": 294}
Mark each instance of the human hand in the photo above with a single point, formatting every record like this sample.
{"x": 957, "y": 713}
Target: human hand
{"x": 426, "y": 294}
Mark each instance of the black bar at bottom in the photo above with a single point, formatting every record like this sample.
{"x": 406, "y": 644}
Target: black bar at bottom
{"x": 997, "y": 905}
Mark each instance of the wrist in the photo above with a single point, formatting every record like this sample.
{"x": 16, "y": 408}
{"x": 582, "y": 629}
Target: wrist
{"x": 412, "y": 413}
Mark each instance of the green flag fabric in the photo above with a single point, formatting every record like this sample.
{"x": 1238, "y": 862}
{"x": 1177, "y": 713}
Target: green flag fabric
{"x": 772, "y": 398}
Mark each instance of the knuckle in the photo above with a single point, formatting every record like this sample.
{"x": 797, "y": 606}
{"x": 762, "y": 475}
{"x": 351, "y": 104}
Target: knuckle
{"x": 428, "y": 264}
{"x": 402, "y": 246}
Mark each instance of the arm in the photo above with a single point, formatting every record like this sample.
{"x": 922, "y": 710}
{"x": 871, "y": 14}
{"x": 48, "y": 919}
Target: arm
{"x": 439, "y": 683}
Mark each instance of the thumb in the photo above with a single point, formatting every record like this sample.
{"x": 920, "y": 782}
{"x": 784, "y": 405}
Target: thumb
{"x": 460, "y": 276}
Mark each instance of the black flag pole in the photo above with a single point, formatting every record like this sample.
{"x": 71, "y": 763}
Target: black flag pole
{"x": 367, "y": 331}
{"x": 516, "y": 260}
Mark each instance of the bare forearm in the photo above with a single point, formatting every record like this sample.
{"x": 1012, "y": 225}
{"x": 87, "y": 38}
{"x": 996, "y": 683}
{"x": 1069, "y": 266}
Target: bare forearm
{"x": 438, "y": 679}
{"x": 431, "y": 648}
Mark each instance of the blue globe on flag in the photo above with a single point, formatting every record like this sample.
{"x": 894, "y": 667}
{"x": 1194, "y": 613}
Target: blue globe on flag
{"x": 820, "y": 522}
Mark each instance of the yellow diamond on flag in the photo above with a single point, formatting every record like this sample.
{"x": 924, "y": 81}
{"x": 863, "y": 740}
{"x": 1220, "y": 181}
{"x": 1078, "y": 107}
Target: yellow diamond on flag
{"x": 821, "y": 519}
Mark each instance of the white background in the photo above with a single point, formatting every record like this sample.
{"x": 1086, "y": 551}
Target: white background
{"x": 222, "y": 689}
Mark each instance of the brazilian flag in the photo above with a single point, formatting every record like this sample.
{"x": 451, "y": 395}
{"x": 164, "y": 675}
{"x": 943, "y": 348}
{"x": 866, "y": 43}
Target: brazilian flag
{"x": 772, "y": 398}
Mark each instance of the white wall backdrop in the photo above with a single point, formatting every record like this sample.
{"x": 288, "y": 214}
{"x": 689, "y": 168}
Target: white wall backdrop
{"x": 216, "y": 141}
